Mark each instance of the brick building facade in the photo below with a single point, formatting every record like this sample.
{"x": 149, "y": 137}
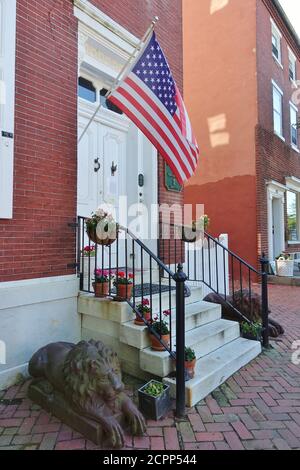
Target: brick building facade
{"x": 247, "y": 168}
{"x": 56, "y": 42}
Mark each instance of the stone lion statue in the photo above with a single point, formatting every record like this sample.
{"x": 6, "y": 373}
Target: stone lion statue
{"x": 88, "y": 375}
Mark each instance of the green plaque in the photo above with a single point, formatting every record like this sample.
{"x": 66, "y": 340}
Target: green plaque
{"x": 171, "y": 181}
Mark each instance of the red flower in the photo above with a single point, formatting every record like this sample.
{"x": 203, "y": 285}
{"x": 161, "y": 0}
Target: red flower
{"x": 145, "y": 302}
{"x": 130, "y": 276}
{"x": 167, "y": 313}
{"x": 121, "y": 274}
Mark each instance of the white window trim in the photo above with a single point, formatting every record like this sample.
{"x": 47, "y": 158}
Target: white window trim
{"x": 274, "y": 84}
{"x": 294, "y": 147}
{"x": 7, "y": 119}
{"x": 275, "y": 30}
{"x": 293, "y": 185}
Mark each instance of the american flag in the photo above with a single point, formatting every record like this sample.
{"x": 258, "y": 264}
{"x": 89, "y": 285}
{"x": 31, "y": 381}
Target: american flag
{"x": 149, "y": 96}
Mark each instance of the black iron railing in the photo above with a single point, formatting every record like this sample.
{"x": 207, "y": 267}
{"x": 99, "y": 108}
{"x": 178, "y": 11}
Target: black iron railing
{"x": 208, "y": 262}
{"x": 241, "y": 287}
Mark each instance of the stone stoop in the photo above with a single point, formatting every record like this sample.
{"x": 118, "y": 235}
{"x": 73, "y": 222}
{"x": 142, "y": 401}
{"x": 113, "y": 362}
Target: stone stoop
{"x": 219, "y": 349}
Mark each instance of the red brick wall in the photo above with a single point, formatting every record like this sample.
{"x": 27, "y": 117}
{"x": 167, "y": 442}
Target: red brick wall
{"x": 275, "y": 159}
{"x": 38, "y": 241}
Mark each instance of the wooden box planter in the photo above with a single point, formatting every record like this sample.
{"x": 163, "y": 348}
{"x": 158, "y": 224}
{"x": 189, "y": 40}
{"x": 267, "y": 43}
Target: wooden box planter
{"x": 285, "y": 268}
{"x": 154, "y": 407}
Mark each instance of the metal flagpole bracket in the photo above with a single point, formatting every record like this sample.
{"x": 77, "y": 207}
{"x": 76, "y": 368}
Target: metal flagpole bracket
{"x": 138, "y": 48}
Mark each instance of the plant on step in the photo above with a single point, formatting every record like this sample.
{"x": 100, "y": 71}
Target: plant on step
{"x": 101, "y": 282}
{"x": 190, "y": 355}
{"x": 102, "y": 276}
{"x": 124, "y": 285}
{"x": 120, "y": 278}
{"x": 251, "y": 329}
{"x": 145, "y": 312}
{"x": 161, "y": 328}
{"x": 284, "y": 257}
{"x": 154, "y": 389}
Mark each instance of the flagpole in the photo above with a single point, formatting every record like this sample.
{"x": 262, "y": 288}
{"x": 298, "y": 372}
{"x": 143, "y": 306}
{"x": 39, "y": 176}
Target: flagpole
{"x": 120, "y": 74}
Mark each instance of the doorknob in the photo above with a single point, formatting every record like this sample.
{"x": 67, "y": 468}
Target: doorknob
{"x": 97, "y": 165}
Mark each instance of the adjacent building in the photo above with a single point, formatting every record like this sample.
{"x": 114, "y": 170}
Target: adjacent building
{"x": 242, "y": 72}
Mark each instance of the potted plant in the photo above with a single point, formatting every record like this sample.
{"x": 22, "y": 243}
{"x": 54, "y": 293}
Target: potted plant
{"x": 191, "y": 234}
{"x": 284, "y": 265}
{"x": 101, "y": 283}
{"x": 161, "y": 328}
{"x": 154, "y": 400}
{"x": 251, "y": 331}
{"x": 190, "y": 361}
{"x": 102, "y": 228}
{"x": 88, "y": 260}
{"x": 145, "y": 313}
{"x": 123, "y": 285}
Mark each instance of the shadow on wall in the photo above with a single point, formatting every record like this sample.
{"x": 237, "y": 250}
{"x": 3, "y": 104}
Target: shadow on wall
{"x": 231, "y": 206}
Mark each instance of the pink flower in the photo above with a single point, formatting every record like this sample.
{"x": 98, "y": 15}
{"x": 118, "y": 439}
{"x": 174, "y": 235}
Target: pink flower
{"x": 167, "y": 313}
{"x": 155, "y": 318}
{"x": 145, "y": 302}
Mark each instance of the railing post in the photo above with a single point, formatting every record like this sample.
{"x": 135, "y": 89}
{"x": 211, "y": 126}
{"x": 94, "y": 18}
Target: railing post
{"x": 264, "y": 300}
{"x": 180, "y": 279}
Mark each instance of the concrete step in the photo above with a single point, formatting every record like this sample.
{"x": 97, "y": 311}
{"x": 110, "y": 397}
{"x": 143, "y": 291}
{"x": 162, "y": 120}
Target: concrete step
{"x": 196, "y": 314}
{"x": 204, "y": 340}
{"x": 121, "y": 312}
{"x": 215, "y": 368}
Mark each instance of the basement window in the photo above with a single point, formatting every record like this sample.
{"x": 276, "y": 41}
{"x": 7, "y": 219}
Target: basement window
{"x": 86, "y": 90}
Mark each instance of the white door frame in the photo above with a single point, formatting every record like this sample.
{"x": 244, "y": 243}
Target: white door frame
{"x": 275, "y": 191}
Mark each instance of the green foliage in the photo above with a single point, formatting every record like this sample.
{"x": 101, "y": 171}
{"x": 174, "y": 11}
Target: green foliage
{"x": 253, "y": 329}
{"x": 160, "y": 327}
{"x": 154, "y": 389}
{"x": 189, "y": 354}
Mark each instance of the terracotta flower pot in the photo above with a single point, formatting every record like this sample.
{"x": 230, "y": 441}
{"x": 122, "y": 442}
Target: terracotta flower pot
{"x": 156, "y": 345}
{"x": 124, "y": 292}
{"x": 101, "y": 289}
{"x": 190, "y": 367}
{"x": 139, "y": 321}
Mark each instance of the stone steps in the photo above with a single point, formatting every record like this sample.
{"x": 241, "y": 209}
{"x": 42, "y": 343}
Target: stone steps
{"x": 196, "y": 314}
{"x": 204, "y": 340}
{"x": 215, "y": 368}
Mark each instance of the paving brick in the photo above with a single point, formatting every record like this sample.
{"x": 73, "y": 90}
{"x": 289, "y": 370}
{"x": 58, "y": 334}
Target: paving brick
{"x": 241, "y": 430}
{"x": 185, "y": 430}
{"x": 233, "y": 441}
{"x": 199, "y": 446}
{"x": 157, "y": 443}
{"x": 205, "y": 414}
{"x": 280, "y": 444}
{"x": 196, "y": 422}
{"x": 141, "y": 442}
{"x": 218, "y": 427}
{"x": 154, "y": 431}
{"x": 74, "y": 444}
{"x": 48, "y": 441}
{"x": 209, "y": 436}
{"x": 171, "y": 438}
{"x": 290, "y": 438}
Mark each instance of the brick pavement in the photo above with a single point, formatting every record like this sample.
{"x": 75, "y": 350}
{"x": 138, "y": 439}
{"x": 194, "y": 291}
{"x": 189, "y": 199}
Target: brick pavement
{"x": 257, "y": 408}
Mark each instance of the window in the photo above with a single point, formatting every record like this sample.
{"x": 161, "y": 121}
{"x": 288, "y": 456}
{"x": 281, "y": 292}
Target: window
{"x": 292, "y": 66}
{"x": 276, "y": 42}
{"x": 107, "y": 104}
{"x": 86, "y": 90}
{"x": 277, "y": 110}
{"x": 292, "y": 215}
{"x": 294, "y": 130}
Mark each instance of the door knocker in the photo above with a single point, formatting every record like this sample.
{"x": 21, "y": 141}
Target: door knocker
{"x": 113, "y": 168}
{"x": 97, "y": 165}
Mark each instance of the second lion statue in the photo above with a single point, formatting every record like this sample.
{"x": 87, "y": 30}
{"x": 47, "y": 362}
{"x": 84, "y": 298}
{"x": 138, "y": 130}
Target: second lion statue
{"x": 88, "y": 375}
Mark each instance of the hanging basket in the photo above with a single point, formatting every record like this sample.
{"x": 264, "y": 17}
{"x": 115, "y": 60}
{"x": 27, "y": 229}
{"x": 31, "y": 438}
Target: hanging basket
{"x": 91, "y": 231}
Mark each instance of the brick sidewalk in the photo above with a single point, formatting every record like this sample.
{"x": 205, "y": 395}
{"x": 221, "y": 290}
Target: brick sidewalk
{"x": 257, "y": 408}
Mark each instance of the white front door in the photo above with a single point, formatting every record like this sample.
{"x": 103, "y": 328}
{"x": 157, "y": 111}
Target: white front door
{"x": 101, "y": 166}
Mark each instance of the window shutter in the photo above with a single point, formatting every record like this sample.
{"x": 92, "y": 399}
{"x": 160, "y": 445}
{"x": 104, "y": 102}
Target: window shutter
{"x": 7, "y": 104}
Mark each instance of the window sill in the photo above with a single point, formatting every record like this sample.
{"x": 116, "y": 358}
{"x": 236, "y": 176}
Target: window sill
{"x": 296, "y": 149}
{"x": 280, "y": 136}
{"x": 294, "y": 243}
{"x": 277, "y": 61}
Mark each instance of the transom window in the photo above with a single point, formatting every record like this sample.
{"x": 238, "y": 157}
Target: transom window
{"x": 107, "y": 104}
{"x": 86, "y": 90}
{"x": 294, "y": 130}
{"x": 277, "y": 110}
{"x": 292, "y": 215}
